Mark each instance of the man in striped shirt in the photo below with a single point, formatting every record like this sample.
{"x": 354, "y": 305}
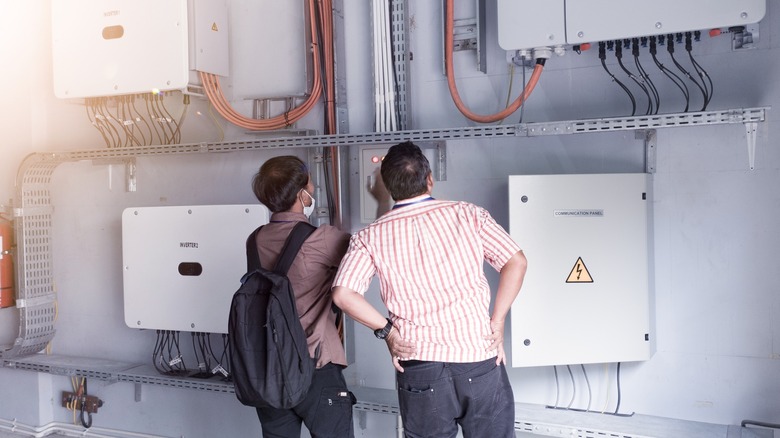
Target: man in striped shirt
{"x": 445, "y": 345}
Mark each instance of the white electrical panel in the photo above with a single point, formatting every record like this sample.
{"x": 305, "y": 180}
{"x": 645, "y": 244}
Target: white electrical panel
{"x": 182, "y": 264}
{"x": 370, "y": 163}
{"x": 524, "y": 24}
{"x": 118, "y": 47}
{"x": 587, "y": 293}
{"x": 528, "y": 24}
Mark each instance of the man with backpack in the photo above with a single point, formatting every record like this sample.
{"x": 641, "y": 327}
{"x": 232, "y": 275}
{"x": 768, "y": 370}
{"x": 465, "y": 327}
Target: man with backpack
{"x": 284, "y": 186}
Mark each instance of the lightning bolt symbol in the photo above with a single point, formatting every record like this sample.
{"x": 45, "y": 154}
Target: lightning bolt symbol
{"x": 579, "y": 270}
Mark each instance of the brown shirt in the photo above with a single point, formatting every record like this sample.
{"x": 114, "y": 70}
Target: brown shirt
{"x": 311, "y": 275}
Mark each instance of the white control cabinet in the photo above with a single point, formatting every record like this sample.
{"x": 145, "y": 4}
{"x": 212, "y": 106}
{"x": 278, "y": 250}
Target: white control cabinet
{"x": 587, "y": 296}
{"x": 370, "y": 163}
{"x": 182, "y": 264}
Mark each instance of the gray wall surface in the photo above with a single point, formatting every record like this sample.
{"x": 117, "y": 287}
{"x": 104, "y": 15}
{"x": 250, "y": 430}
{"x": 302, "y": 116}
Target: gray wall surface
{"x": 717, "y": 310}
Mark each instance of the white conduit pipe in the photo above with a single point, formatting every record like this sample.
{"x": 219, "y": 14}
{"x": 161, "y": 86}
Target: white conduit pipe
{"x": 387, "y": 54}
{"x": 378, "y": 96}
{"x": 383, "y": 55}
{"x": 73, "y": 430}
{"x": 385, "y": 115}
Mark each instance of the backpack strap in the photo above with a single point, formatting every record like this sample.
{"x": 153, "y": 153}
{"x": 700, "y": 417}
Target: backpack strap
{"x": 252, "y": 257}
{"x": 292, "y": 245}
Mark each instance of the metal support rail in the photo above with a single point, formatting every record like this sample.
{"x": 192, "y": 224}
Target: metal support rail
{"x": 36, "y": 299}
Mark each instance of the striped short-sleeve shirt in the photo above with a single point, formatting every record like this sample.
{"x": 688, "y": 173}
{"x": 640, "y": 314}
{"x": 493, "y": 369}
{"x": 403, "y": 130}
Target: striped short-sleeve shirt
{"x": 429, "y": 257}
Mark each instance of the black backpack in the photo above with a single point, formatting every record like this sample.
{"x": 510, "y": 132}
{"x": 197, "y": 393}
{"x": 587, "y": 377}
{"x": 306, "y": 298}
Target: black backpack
{"x": 269, "y": 357}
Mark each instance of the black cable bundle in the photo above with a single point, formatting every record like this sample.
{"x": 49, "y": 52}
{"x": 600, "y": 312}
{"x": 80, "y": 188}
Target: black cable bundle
{"x": 686, "y": 73}
{"x": 603, "y": 57}
{"x": 619, "y": 56}
{"x": 655, "y": 102}
{"x": 669, "y": 74}
{"x": 706, "y": 81}
{"x": 169, "y": 365}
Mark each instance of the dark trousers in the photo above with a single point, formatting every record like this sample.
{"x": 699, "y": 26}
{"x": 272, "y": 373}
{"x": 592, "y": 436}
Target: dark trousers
{"x": 436, "y": 397}
{"x": 326, "y": 411}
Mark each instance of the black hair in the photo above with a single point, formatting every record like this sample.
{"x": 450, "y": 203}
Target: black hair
{"x": 405, "y": 171}
{"x": 278, "y": 182}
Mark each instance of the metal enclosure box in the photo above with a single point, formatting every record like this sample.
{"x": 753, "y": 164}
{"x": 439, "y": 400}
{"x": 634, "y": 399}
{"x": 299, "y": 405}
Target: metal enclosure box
{"x": 370, "y": 163}
{"x": 525, "y": 24}
{"x": 118, "y": 47}
{"x": 182, "y": 264}
{"x": 598, "y": 20}
{"x": 587, "y": 295}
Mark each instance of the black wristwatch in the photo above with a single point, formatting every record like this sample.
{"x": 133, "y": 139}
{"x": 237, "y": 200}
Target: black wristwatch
{"x": 384, "y": 331}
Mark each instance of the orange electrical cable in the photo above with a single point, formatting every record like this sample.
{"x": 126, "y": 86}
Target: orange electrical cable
{"x": 217, "y": 97}
{"x": 448, "y": 49}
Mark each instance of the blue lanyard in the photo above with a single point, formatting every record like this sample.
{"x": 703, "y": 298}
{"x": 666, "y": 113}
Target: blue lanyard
{"x": 430, "y": 198}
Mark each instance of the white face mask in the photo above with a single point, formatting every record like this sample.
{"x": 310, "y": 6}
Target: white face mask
{"x": 310, "y": 209}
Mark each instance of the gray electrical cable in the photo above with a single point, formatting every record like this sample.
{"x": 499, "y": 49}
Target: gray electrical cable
{"x": 573, "y": 387}
{"x": 588, "y": 383}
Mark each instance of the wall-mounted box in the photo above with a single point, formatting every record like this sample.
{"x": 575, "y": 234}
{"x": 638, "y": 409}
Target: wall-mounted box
{"x": 370, "y": 163}
{"x": 182, "y": 264}
{"x": 587, "y": 294}
{"x": 599, "y": 20}
{"x": 525, "y": 24}
{"x": 119, "y": 47}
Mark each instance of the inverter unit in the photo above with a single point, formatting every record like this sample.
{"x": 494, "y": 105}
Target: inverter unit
{"x": 525, "y": 24}
{"x": 182, "y": 264}
{"x": 120, "y": 47}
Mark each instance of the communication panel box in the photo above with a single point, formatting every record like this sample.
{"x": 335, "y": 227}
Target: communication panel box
{"x": 119, "y": 47}
{"x": 528, "y": 24}
{"x": 587, "y": 294}
{"x": 182, "y": 264}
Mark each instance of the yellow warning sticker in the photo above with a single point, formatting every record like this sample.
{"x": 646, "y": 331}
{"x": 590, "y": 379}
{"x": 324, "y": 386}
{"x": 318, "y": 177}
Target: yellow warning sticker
{"x": 214, "y": 27}
{"x": 579, "y": 273}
